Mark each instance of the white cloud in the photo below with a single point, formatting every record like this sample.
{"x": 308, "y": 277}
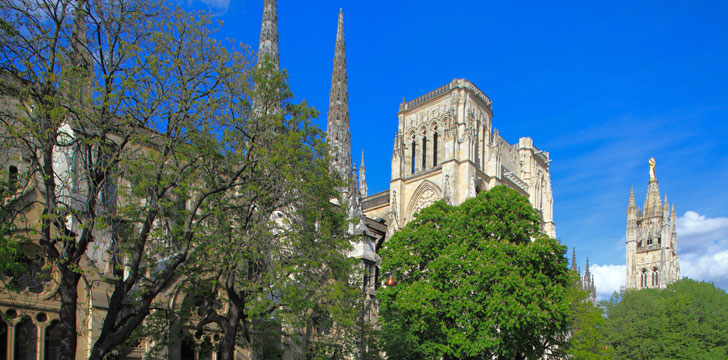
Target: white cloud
{"x": 608, "y": 279}
{"x": 707, "y": 267}
{"x": 699, "y": 234}
{"x": 702, "y": 244}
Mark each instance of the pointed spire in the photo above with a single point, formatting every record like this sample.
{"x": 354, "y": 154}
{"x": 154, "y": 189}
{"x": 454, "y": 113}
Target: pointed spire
{"x": 268, "y": 45}
{"x": 586, "y": 272}
{"x": 573, "y": 259}
{"x": 672, "y": 217}
{"x": 632, "y": 204}
{"x": 338, "y": 136}
{"x": 653, "y": 205}
{"x": 80, "y": 83}
{"x": 363, "y": 177}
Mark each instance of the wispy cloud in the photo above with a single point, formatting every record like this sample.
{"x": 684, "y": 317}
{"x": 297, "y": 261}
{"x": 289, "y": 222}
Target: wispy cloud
{"x": 216, "y": 7}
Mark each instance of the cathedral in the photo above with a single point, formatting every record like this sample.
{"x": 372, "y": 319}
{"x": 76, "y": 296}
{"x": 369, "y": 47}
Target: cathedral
{"x": 651, "y": 240}
{"x": 446, "y": 148}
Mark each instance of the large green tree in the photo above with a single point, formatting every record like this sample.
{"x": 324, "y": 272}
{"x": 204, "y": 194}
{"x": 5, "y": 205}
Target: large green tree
{"x": 480, "y": 280}
{"x": 276, "y": 252}
{"x": 687, "y": 320}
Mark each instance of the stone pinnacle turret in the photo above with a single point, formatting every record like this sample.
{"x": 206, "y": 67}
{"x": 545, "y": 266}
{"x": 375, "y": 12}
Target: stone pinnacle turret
{"x": 268, "y": 45}
{"x": 363, "y": 177}
{"x": 338, "y": 136}
{"x": 632, "y": 205}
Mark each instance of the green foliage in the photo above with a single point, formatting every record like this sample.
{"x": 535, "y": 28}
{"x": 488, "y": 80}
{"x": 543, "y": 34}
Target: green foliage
{"x": 687, "y": 320}
{"x": 586, "y": 336}
{"x": 475, "y": 281}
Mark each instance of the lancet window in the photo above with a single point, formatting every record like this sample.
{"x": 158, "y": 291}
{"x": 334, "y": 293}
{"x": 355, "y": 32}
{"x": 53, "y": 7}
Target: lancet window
{"x": 424, "y": 152}
{"x": 643, "y": 278}
{"x": 414, "y": 152}
{"x": 434, "y": 149}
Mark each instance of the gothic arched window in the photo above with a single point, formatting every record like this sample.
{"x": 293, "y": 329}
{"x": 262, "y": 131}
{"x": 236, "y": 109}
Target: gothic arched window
{"x": 655, "y": 277}
{"x": 53, "y": 341}
{"x": 434, "y": 149}
{"x": 649, "y": 240}
{"x": 414, "y": 147}
{"x": 25, "y": 339}
{"x": 643, "y": 278}
{"x": 424, "y": 152}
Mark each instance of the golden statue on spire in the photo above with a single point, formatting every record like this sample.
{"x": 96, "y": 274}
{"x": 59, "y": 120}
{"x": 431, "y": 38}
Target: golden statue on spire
{"x": 652, "y": 168}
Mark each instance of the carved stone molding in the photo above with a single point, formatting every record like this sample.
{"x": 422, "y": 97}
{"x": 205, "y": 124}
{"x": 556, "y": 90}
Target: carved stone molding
{"x": 425, "y": 195}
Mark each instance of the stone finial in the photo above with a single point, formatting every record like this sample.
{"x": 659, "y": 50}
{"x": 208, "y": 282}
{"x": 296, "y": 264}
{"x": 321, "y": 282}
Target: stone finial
{"x": 652, "y": 169}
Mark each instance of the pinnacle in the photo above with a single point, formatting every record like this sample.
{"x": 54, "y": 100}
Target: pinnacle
{"x": 631, "y": 197}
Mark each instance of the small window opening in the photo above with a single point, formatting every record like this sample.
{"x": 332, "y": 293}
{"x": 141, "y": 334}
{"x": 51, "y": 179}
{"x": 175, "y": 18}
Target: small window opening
{"x": 12, "y": 177}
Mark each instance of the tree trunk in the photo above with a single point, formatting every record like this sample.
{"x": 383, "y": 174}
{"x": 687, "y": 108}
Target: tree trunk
{"x": 69, "y": 300}
{"x": 230, "y": 329}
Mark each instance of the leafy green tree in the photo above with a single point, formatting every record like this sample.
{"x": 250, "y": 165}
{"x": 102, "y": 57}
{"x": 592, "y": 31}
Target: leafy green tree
{"x": 480, "y": 280}
{"x": 586, "y": 340}
{"x": 117, "y": 108}
{"x": 687, "y": 320}
{"x": 276, "y": 252}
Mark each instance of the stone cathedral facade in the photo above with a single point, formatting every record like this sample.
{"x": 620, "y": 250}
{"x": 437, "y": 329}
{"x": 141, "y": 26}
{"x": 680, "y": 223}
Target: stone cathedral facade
{"x": 651, "y": 240}
{"x": 447, "y": 148}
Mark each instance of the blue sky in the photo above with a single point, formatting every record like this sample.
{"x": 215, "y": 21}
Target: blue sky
{"x": 602, "y": 86}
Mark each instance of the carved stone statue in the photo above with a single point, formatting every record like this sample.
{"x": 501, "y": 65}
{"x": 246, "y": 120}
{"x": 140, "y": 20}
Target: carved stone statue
{"x": 652, "y": 168}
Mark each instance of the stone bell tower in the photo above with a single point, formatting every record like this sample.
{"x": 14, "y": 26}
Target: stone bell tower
{"x": 651, "y": 240}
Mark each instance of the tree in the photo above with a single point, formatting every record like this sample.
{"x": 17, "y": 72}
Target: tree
{"x": 116, "y": 108}
{"x": 276, "y": 252}
{"x": 475, "y": 281}
{"x": 686, "y": 320}
{"x": 586, "y": 340}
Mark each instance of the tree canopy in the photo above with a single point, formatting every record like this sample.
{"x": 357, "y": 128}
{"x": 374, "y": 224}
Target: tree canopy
{"x": 480, "y": 280}
{"x": 686, "y": 320}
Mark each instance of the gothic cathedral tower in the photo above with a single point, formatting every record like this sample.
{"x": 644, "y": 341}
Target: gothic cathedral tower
{"x": 651, "y": 240}
{"x": 447, "y": 148}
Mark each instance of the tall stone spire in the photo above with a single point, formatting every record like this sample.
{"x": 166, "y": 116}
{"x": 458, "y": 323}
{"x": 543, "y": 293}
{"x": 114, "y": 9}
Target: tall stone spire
{"x": 573, "y": 259}
{"x": 268, "y": 45}
{"x": 338, "y": 136}
{"x": 363, "y": 177}
{"x": 80, "y": 82}
{"x": 653, "y": 205}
